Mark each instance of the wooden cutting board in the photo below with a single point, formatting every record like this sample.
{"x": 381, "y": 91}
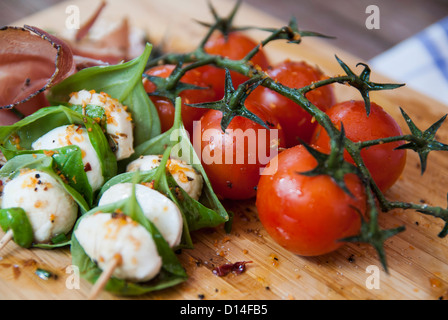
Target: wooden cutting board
{"x": 417, "y": 258}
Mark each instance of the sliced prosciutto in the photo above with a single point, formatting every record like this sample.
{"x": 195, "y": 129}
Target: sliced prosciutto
{"x": 31, "y": 61}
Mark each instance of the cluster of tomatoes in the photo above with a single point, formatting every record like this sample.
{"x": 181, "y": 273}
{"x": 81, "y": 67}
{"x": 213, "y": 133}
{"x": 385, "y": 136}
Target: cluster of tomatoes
{"x": 307, "y": 215}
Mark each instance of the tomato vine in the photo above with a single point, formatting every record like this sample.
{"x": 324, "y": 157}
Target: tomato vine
{"x": 421, "y": 142}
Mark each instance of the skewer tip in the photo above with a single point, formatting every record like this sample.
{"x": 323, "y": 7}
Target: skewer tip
{"x": 104, "y": 277}
{"x": 6, "y": 238}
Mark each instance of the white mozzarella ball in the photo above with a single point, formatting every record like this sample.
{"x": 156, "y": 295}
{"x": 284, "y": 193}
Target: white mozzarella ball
{"x": 75, "y": 135}
{"x": 185, "y": 175}
{"x": 119, "y": 121}
{"x": 156, "y": 207}
{"x": 49, "y": 207}
{"x": 106, "y": 236}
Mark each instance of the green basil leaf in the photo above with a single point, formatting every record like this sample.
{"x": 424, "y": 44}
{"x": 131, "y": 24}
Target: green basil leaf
{"x": 17, "y": 220}
{"x": 94, "y": 112}
{"x": 122, "y": 82}
{"x": 61, "y": 240}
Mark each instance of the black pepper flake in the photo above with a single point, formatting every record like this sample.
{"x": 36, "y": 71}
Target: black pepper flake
{"x": 201, "y": 296}
{"x": 229, "y": 184}
{"x": 189, "y": 178}
{"x": 351, "y": 258}
{"x": 37, "y": 176}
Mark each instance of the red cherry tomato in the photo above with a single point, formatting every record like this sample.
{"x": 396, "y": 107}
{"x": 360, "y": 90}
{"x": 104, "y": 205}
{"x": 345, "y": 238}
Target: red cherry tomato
{"x": 384, "y": 163}
{"x": 307, "y": 215}
{"x": 164, "y": 106}
{"x": 296, "y": 122}
{"x": 233, "y": 162}
{"x": 235, "y": 46}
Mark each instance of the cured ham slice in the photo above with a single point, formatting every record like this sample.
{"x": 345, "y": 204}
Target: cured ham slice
{"x": 31, "y": 61}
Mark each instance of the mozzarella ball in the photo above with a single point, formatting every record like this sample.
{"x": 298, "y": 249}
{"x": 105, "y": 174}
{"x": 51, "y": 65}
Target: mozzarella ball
{"x": 156, "y": 207}
{"x": 106, "y": 236}
{"x": 185, "y": 175}
{"x": 75, "y": 135}
{"x": 49, "y": 207}
{"x": 119, "y": 121}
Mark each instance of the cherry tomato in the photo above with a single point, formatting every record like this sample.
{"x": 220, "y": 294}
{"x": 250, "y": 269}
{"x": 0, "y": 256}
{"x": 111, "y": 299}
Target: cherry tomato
{"x": 233, "y": 159}
{"x": 307, "y": 215}
{"x": 164, "y": 106}
{"x": 384, "y": 163}
{"x": 296, "y": 122}
{"x": 236, "y": 45}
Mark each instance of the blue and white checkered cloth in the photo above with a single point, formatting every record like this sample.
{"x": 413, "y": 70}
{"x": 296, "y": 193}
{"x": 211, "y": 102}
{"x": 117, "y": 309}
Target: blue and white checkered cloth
{"x": 420, "y": 61}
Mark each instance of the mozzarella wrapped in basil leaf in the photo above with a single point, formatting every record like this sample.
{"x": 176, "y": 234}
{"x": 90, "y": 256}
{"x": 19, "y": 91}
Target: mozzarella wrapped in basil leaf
{"x": 120, "y": 230}
{"x": 155, "y": 206}
{"x": 74, "y": 135}
{"x": 77, "y": 144}
{"x": 36, "y": 203}
{"x": 185, "y": 175}
{"x": 50, "y": 208}
{"x": 108, "y": 236}
{"x": 119, "y": 125}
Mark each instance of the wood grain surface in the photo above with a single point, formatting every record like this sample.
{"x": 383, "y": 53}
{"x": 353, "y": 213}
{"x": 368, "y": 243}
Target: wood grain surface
{"x": 417, "y": 258}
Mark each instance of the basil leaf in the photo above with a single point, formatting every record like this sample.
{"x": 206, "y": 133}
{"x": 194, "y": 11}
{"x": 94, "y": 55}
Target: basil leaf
{"x": 122, "y": 82}
{"x": 94, "y": 112}
{"x": 17, "y": 220}
{"x": 61, "y": 240}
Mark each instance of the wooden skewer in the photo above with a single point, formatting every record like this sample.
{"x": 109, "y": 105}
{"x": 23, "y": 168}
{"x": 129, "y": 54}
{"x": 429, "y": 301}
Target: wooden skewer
{"x": 105, "y": 276}
{"x": 6, "y": 238}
